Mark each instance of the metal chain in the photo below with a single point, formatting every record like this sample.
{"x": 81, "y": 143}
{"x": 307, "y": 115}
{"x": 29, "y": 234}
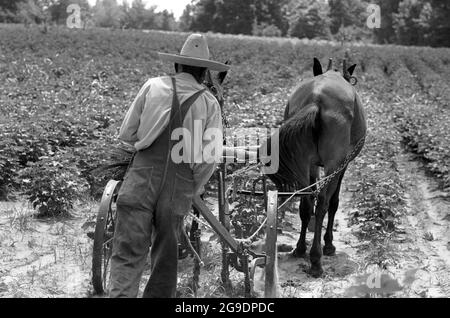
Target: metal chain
{"x": 322, "y": 183}
{"x": 326, "y": 181}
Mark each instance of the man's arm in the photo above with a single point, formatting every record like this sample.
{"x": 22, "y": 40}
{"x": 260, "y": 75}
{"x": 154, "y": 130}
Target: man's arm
{"x": 130, "y": 125}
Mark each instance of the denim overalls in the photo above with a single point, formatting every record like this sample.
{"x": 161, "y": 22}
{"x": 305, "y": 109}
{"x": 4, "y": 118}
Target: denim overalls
{"x": 153, "y": 200}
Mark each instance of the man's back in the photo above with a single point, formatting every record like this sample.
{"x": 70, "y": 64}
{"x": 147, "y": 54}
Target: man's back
{"x": 149, "y": 115}
{"x": 150, "y": 111}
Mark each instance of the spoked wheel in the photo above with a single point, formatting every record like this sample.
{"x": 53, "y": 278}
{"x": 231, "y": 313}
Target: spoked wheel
{"x": 271, "y": 279}
{"x": 103, "y": 238}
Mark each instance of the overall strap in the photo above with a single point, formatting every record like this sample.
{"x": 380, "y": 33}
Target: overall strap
{"x": 179, "y": 112}
{"x": 168, "y": 171}
{"x": 175, "y": 105}
{"x": 189, "y": 102}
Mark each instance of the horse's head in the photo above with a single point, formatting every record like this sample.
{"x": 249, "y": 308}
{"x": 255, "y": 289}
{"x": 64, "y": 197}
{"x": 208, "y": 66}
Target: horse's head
{"x": 214, "y": 84}
{"x": 347, "y": 73}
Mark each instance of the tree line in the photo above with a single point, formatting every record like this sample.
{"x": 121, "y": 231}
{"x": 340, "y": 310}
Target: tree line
{"x": 105, "y": 13}
{"x": 405, "y": 22}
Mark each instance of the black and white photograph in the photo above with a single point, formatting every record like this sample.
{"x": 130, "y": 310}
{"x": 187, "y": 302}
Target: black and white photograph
{"x": 241, "y": 151}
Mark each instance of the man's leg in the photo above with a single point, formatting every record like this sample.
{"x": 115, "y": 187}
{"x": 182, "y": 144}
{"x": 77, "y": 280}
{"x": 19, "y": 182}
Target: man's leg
{"x": 130, "y": 249}
{"x": 164, "y": 253}
{"x": 132, "y": 234}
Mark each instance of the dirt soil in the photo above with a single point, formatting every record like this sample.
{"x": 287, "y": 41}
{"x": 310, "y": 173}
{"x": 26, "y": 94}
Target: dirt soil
{"x": 43, "y": 258}
{"x": 52, "y": 258}
{"x": 418, "y": 256}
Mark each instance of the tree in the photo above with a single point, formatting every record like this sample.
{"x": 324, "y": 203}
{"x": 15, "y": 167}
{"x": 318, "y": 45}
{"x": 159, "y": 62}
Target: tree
{"x": 412, "y": 22}
{"x": 225, "y": 16}
{"x": 387, "y": 32}
{"x": 204, "y": 16}
{"x": 351, "y": 34}
{"x": 107, "y": 13}
{"x": 235, "y": 16}
{"x": 186, "y": 18}
{"x": 9, "y": 10}
{"x": 440, "y": 23}
{"x": 166, "y": 21}
{"x": 138, "y": 16}
{"x": 58, "y": 10}
{"x": 264, "y": 29}
{"x": 309, "y": 19}
{"x": 346, "y": 13}
{"x": 35, "y": 12}
{"x": 270, "y": 15}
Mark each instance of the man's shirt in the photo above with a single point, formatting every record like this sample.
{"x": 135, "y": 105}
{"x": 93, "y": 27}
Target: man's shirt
{"x": 149, "y": 115}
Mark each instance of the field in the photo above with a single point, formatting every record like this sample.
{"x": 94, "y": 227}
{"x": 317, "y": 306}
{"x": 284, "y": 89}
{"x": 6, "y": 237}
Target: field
{"x": 64, "y": 94}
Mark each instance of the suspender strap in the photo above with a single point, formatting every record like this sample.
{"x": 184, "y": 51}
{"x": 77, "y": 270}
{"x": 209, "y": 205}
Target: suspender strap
{"x": 189, "y": 102}
{"x": 168, "y": 173}
{"x": 175, "y": 106}
{"x": 179, "y": 112}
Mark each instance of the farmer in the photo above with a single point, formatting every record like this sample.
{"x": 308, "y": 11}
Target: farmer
{"x": 157, "y": 191}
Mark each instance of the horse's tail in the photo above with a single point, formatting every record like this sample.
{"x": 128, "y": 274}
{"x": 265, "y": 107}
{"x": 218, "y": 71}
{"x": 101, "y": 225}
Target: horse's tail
{"x": 298, "y": 133}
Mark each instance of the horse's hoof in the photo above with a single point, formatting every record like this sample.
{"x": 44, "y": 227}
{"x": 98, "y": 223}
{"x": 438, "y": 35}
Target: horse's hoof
{"x": 299, "y": 253}
{"x": 315, "y": 271}
{"x": 329, "y": 250}
{"x": 312, "y": 224}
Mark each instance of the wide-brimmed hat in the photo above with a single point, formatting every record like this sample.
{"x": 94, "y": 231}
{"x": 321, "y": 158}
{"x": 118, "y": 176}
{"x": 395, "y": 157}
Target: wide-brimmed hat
{"x": 195, "y": 52}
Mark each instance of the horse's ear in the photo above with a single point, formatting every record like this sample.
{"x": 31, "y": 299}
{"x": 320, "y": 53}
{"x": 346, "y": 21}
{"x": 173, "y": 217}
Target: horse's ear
{"x": 222, "y": 75}
{"x": 351, "y": 69}
{"x": 317, "y": 69}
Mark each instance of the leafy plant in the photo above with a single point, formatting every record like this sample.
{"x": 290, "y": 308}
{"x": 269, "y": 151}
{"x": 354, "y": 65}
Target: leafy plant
{"x": 52, "y": 185}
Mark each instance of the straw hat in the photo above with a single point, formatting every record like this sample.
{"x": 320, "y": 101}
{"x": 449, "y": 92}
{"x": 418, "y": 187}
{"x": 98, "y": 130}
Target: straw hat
{"x": 195, "y": 52}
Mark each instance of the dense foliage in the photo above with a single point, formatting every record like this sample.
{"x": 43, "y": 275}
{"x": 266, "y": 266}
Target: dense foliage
{"x": 405, "y": 22}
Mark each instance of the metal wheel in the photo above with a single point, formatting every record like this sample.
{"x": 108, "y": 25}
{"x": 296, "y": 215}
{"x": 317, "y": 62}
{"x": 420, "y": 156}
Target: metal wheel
{"x": 271, "y": 279}
{"x": 103, "y": 238}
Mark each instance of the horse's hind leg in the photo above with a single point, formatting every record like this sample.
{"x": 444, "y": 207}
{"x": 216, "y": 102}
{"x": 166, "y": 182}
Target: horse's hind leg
{"x": 313, "y": 179}
{"x": 306, "y": 210}
{"x": 329, "y": 249}
{"x": 323, "y": 201}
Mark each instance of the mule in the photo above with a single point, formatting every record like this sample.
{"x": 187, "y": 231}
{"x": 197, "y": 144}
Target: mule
{"x": 323, "y": 123}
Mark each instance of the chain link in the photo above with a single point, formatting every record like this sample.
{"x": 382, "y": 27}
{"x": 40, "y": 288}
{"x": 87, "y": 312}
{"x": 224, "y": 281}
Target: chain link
{"x": 326, "y": 181}
{"x": 322, "y": 183}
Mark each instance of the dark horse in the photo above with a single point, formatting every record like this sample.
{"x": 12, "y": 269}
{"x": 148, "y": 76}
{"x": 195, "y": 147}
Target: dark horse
{"x": 325, "y": 124}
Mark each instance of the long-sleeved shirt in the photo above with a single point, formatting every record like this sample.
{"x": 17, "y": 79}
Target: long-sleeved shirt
{"x": 149, "y": 115}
